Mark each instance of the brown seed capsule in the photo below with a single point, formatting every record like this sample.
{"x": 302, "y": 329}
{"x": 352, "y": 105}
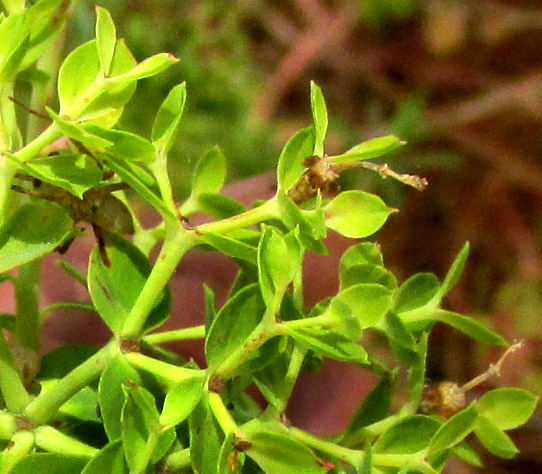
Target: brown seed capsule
{"x": 443, "y": 398}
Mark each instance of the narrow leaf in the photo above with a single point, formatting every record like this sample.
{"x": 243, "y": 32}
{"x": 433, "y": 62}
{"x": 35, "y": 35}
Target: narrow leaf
{"x": 494, "y": 439}
{"x": 180, "y": 400}
{"x": 105, "y": 39}
{"x": 290, "y": 165}
{"x": 369, "y": 150}
{"x": 454, "y": 430}
{"x": 470, "y": 327}
{"x": 281, "y": 454}
{"x": 319, "y": 118}
{"x": 168, "y": 118}
{"x": 455, "y": 271}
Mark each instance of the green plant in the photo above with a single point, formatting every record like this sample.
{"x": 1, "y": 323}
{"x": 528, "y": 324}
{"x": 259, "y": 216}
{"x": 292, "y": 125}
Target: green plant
{"x": 158, "y": 415}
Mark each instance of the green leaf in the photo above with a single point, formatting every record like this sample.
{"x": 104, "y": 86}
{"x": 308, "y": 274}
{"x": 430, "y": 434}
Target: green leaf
{"x": 290, "y": 165}
{"x": 356, "y": 214}
{"x": 146, "y": 68}
{"x": 455, "y": 271}
{"x": 402, "y": 341}
{"x": 22, "y": 241}
{"x": 109, "y": 460}
{"x": 367, "y": 273}
{"x": 374, "y": 407}
{"x": 464, "y": 451}
{"x": 319, "y": 118}
{"x": 368, "y": 302}
{"x": 230, "y": 460}
{"x": 106, "y": 37}
{"x": 114, "y": 289}
{"x": 369, "y": 149}
{"x": 281, "y": 454}
{"x": 80, "y": 70}
{"x": 311, "y": 223}
{"x": 409, "y": 435}
{"x": 361, "y": 253}
{"x": 231, "y": 247}
{"x": 329, "y": 344}
{"x": 83, "y": 405}
{"x": 7, "y": 321}
{"x": 210, "y": 172}
{"x": 15, "y": 38}
{"x": 205, "y": 440}
{"x": 416, "y": 292}
{"x": 454, "y": 430}
{"x": 276, "y": 266}
{"x": 470, "y": 327}
{"x": 168, "y": 118}
{"x": 72, "y": 172}
{"x": 125, "y": 145}
{"x": 219, "y": 206}
{"x": 180, "y": 400}
{"x": 13, "y": 6}
{"x": 76, "y": 132}
{"x": 367, "y": 462}
{"x": 210, "y": 311}
{"x": 233, "y": 324}
{"x": 495, "y": 440}
{"x": 11, "y": 64}
{"x": 49, "y": 462}
{"x": 141, "y": 182}
{"x": 139, "y": 426}
{"x": 342, "y": 320}
{"x": 507, "y": 407}
{"x": 111, "y": 394}
{"x": 58, "y": 363}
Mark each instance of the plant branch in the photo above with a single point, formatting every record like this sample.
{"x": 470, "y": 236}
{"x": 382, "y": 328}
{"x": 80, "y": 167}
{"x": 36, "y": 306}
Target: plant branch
{"x": 15, "y": 396}
{"x": 196, "y": 332}
{"x": 46, "y": 404}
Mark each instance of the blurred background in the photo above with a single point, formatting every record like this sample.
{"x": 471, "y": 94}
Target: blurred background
{"x": 459, "y": 80}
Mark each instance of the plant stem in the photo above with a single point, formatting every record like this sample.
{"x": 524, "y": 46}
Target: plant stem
{"x": 20, "y": 446}
{"x": 170, "y": 374}
{"x": 45, "y": 405}
{"x": 27, "y": 323}
{"x": 261, "y": 334}
{"x": 12, "y": 388}
{"x": 268, "y": 210}
{"x": 222, "y": 415}
{"x": 288, "y": 383}
{"x": 171, "y": 253}
{"x": 54, "y": 441}
{"x": 196, "y": 332}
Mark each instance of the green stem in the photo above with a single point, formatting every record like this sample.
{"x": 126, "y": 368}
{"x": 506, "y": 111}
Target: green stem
{"x": 355, "y": 457}
{"x": 196, "y": 332}
{"x": 15, "y": 396}
{"x": 268, "y": 210}
{"x": 8, "y": 425}
{"x": 54, "y": 441}
{"x": 171, "y": 253}
{"x": 159, "y": 168}
{"x": 290, "y": 379}
{"x": 259, "y": 336}
{"x": 222, "y": 415}
{"x": 45, "y": 405}
{"x": 20, "y": 446}
{"x": 347, "y": 455}
{"x": 170, "y": 374}
{"x": 27, "y": 323}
